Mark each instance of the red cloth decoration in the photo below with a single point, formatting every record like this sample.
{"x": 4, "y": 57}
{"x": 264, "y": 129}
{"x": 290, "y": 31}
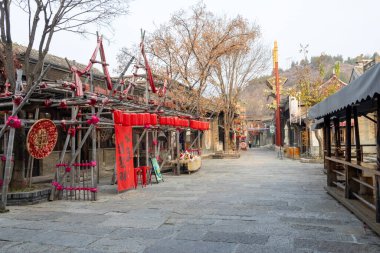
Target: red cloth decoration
{"x": 93, "y": 100}
{"x": 93, "y": 120}
{"x": 124, "y": 157}
{"x": 14, "y": 122}
{"x": 67, "y": 169}
{"x": 63, "y": 124}
{"x": 43, "y": 85}
{"x": 71, "y": 131}
{"x": 63, "y": 104}
{"x": 48, "y": 102}
{"x": 17, "y": 100}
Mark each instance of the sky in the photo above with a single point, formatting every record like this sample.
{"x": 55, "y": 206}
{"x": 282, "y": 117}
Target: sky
{"x": 334, "y": 27}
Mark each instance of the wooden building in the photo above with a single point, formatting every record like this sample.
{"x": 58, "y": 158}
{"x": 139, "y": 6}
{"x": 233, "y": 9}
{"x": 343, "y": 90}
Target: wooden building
{"x": 353, "y": 178}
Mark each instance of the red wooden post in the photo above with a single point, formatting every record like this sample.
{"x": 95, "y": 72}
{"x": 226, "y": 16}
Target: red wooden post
{"x": 278, "y": 121}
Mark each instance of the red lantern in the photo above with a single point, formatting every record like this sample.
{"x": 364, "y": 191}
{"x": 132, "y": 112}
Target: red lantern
{"x": 126, "y": 119}
{"x": 117, "y": 116}
{"x": 192, "y": 124}
{"x": 140, "y": 119}
{"x": 133, "y": 119}
{"x": 153, "y": 119}
{"x": 163, "y": 121}
{"x": 146, "y": 119}
{"x": 176, "y": 121}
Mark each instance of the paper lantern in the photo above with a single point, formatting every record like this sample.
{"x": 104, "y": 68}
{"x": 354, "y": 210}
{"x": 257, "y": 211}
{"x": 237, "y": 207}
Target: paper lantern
{"x": 163, "y": 121}
{"x": 176, "y": 121}
{"x": 140, "y": 119}
{"x": 153, "y": 119}
{"x": 126, "y": 119}
{"x": 133, "y": 117}
{"x": 117, "y": 116}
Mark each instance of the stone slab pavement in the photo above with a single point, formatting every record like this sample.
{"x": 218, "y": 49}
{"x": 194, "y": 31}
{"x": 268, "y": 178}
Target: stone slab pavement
{"x": 257, "y": 203}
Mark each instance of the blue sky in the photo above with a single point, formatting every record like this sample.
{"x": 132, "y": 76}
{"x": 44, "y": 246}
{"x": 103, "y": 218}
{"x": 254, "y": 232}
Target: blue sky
{"x": 348, "y": 28}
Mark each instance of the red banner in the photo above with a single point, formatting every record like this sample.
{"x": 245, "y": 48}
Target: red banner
{"x": 124, "y": 157}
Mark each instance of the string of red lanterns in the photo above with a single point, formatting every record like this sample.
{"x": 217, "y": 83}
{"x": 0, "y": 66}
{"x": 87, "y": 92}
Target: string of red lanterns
{"x": 144, "y": 119}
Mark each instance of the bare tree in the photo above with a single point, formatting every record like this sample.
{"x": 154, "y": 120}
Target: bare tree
{"x": 191, "y": 43}
{"x": 46, "y": 17}
{"x": 233, "y": 73}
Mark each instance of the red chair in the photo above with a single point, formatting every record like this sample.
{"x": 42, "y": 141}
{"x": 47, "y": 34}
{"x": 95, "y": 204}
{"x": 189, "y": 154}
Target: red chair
{"x": 138, "y": 172}
{"x": 145, "y": 170}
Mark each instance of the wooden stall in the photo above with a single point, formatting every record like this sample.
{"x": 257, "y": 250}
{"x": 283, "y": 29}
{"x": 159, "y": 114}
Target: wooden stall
{"x": 352, "y": 178}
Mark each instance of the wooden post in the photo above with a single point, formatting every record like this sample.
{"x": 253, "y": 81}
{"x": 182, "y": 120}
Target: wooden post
{"x": 93, "y": 144}
{"x": 147, "y": 148}
{"x": 337, "y": 137}
{"x": 349, "y": 170}
{"x": 359, "y": 157}
{"x": 377, "y": 178}
{"x": 330, "y": 174}
{"x": 178, "y": 172}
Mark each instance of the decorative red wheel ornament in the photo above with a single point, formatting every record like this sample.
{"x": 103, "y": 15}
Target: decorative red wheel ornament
{"x": 41, "y": 138}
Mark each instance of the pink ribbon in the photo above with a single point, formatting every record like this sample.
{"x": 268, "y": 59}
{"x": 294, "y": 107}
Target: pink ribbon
{"x": 14, "y": 122}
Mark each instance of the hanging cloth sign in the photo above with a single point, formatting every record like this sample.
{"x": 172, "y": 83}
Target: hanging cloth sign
{"x": 41, "y": 138}
{"x": 124, "y": 158}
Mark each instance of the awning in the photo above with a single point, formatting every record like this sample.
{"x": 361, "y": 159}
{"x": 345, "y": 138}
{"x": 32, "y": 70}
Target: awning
{"x": 361, "y": 89}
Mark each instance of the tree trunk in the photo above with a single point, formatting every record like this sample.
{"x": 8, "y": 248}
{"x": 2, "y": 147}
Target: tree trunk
{"x": 227, "y": 142}
{"x": 18, "y": 178}
{"x": 320, "y": 143}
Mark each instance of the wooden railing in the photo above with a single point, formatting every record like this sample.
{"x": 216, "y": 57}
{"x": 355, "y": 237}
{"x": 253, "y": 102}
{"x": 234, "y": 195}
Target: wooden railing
{"x": 356, "y": 180}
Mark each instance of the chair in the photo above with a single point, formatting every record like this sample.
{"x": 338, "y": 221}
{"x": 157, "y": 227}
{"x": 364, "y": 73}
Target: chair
{"x": 137, "y": 173}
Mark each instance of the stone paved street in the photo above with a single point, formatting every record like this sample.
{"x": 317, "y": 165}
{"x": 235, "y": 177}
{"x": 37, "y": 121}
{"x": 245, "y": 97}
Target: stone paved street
{"x": 257, "y": 203}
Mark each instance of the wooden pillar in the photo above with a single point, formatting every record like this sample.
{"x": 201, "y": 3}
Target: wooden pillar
{"x": 328, "y": 164}
{"x": 178, "y": 171}
{"x": 377, "y": 178}
{"x": 337, "y": 137}
{"x": 349, "y": 170}
{"x": 359, "y": 157}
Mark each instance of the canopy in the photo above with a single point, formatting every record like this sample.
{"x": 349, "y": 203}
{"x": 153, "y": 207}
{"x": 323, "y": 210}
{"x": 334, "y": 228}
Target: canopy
{"x": 361, "y": 90}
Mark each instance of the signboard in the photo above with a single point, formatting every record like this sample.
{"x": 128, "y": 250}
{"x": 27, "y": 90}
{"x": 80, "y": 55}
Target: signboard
{"x": 156, "y": 169}
{"x": 271, "y": 129}
{"x": 124, "y": 158}
{"x": 294, "y": 110}
{"x": 41, "y": 138}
